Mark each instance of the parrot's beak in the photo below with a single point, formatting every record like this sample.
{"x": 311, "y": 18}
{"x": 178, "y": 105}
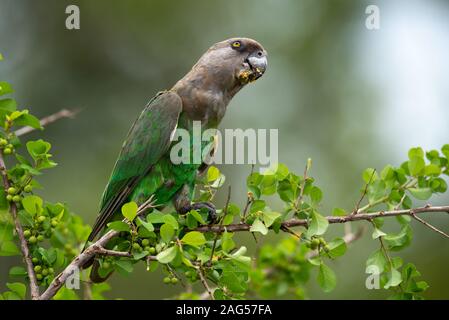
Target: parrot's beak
{"x": 256, "y": 64}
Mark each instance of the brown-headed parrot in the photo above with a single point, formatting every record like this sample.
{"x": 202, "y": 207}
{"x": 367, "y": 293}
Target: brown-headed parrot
{"x": 143, "y": 168}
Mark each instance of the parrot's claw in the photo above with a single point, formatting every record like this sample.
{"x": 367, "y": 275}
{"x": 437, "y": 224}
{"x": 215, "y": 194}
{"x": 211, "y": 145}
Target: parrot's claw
{"x": 208, "y": 206}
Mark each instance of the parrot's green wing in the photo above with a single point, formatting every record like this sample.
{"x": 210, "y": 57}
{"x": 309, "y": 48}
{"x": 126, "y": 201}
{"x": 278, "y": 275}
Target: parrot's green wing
{"x": 148, "y": 140}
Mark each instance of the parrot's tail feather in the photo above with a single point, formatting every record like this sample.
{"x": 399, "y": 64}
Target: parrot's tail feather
{"x": 95, "y": 276}
{"x": 88, "y": 263}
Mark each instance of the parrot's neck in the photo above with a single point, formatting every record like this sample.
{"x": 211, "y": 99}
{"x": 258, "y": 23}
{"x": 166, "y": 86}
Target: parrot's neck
{"x": 205, "y": 95}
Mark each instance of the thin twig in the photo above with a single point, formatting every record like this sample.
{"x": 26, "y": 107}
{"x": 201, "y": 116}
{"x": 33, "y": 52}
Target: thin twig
{"x": 204, "y": 282}
{"x": 112, "y": 253}
{"x": 303, "y": 184}
{"x": 249, "y": 199}
{"x": 34, "y": 288}
{"x": 400, "y": 202}
{"x": 429, "y": 225}
{"x": 225, "y": 211}
{"x": 365, "y": 191}
{"x": 385, "y": 251}
{"x": 288, "y": 230}
{"x": 64, "y": 113}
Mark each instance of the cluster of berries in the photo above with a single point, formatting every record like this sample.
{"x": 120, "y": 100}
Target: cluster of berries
{"x": 7, "y": 147}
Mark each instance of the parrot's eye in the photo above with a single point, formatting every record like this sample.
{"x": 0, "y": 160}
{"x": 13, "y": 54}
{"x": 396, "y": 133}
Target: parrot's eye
{"x": 236, "y": 44}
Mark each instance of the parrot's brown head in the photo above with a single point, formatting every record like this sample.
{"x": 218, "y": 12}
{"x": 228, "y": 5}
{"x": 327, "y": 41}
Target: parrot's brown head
{"x": 245, "y": 58}
{"x": 219, "y": 74}
{"x": 233, "y": 63}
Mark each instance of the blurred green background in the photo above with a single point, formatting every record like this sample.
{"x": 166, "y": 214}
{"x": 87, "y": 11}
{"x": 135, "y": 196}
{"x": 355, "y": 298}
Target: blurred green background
{"x": 347, "y": 97}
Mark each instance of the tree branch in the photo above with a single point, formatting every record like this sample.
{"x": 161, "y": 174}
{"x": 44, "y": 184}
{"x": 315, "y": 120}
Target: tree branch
{"x": 64, "y": 113}
{"x": 331, "y": 219}
{"x": 34, "y": 288}
{"x": 98, "y": 247}
{"x": 77, "y": 263}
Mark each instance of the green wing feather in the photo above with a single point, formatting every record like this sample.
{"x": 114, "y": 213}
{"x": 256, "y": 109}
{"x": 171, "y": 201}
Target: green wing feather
{"x": 147, "y": 141}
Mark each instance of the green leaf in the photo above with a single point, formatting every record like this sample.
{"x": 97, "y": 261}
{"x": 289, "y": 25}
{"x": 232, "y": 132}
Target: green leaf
{"x": 268, "y": 184}
{"x": 338, "y": 212}
{"x": 212, "y": 174}
{"x": 194, "y": 238}
{"x": 316, "y": 195}
{"x": 5, "y": 88}
{"x": 17, "y": 272}
{"x": 228, "y": 219}
{"x": 370, "y": 175}
{"x": 19, "y": 288}
{"x": 376, "y": 190}
{"x": 8, "y": 105}
{"x": 32, "y": 204}
{"x": 409, "y": 271}
{"x": 377, "y": 258}
{"x": 124, "y": 267}
{"x": 416, "y": 163}
{"x": 257, "y": 205}
{"x": 197, "y": 216}
{"x": 378, "y": 233}
{"x": 432, "y": 170}
{"x": 400, "y": 240}
{"x": 286, "y": 191}
{"x": 227, "y": 244}
{"x": 3, "y": 201}
{"x": 156, "y": 217}
{"x": 337, "y": 248}
{"x": 445, "y": 151}
{"x": 147, "y": 225}
{"x": 129, "y": 210}
{"x": 219, "y": 182}
{"x": 387, "y": 173}
{"x": 281, "y": 171}
{"x": 167, "y": 255}
{"x": 269, "y": 217}
{"x": 394, "y": 279}
{"x": 318, "y": 224}
{"x": 27, "y": 119}
{"x": 38, "y": 149}
{"x": 421, "y": 193}
{"x": 233, "y": 209}
{"x": 8, "y": 248}
{"x": 254, "y": 179}
{"x": 240, "y": 252}
{"x": 66, "y": 294}
{"x": 167, "y": 232}
{"x": 258, "y": 226}
{"x": 234, "y": 279}
{"x": 140, "y": 255}
{"x": 326, "y": 278}
{"x": 169, "y": 219}
{"x": 119, "y": 226}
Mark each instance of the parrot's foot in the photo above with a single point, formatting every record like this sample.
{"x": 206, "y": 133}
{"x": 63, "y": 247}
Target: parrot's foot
{"x": 206, "y": 206}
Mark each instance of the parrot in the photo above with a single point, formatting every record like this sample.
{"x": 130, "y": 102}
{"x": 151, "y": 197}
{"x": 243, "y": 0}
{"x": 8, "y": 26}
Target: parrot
{"x": 144, "y": 169}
